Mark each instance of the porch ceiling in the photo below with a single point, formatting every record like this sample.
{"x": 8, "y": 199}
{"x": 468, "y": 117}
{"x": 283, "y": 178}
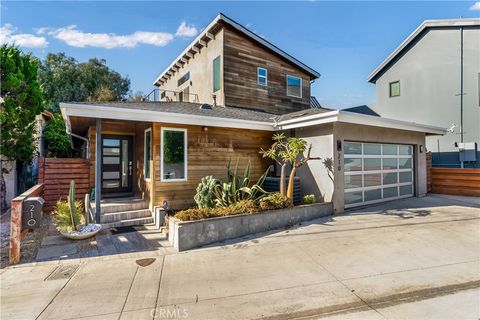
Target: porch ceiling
{"x": 80, "y": 125}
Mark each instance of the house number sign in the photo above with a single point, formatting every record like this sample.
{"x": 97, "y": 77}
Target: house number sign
{"x": 32, "y": 213}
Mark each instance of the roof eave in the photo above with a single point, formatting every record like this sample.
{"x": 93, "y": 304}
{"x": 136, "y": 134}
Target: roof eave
{"x": 115, "y": 113}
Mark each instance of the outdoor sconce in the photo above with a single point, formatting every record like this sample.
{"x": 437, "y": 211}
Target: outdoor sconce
{"x": 339, "y": 145}
{"x": 421, "y": 148}
{"x": 205, "y": 128}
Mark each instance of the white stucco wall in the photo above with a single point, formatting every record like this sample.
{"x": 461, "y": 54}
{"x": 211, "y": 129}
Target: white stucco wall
{"x": 201, "y": 73}
{"x": 429, "y": 75}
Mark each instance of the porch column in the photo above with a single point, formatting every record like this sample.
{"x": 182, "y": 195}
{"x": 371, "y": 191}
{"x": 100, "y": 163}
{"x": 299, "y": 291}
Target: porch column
{"x": 98, "y": 168}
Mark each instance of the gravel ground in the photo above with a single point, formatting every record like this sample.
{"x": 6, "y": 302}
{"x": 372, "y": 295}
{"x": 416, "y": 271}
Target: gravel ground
{"x": 28, "y": 245}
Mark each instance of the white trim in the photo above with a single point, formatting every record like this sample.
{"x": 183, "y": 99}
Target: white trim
{"x": 185, "y": 161}
{"x": 259, "y": 76}
{"x": 99, "y": 111}
{"x": 219, "y": 18}
{"x": 145, "y": 152}
{"x": 357, "y": 118}
{"x": 301, "y": 86}
{"x": 425, "y": 24}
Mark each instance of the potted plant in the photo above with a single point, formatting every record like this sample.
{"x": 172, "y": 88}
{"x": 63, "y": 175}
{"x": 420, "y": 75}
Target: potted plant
{"x": 70, "y": 222}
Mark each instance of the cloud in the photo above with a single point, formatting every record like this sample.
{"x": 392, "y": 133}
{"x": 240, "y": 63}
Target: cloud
{"x": 475, "y": 6}
{"x": 186, "y": 31}
{"x": 8, "y": 35}
{"x": 74, "y": 37}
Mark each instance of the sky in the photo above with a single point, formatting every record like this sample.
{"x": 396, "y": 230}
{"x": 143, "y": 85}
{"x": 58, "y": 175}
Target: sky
{"x": 344, "y": 41}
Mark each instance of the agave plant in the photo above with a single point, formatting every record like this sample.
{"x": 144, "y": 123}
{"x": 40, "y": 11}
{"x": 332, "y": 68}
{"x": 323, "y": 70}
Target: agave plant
{"x": 237, "y": 188}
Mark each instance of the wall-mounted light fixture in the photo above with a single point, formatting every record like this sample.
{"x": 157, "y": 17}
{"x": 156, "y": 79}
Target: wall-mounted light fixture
{"x": 421, "y": 148}
{"x": 339, "y": 145}
{"x": 205, "y": 128}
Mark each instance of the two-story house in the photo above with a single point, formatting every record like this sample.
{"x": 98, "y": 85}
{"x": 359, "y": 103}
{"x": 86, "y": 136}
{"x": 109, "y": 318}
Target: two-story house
{"x": 222, "y": 99}
{"x": 231, "y": 66}
{"x": 434, "y": 77}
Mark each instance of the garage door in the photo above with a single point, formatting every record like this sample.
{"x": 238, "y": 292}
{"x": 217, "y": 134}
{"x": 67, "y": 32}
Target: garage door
{"x": 375, "y": 172}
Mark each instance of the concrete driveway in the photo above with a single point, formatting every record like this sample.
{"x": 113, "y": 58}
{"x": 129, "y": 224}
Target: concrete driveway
{"x": 409, "y": 259}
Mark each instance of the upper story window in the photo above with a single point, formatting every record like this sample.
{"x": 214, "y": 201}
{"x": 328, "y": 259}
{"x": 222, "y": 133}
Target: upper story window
{"x": 183, "y": 79}
{"x": 262, "y": 76}
{"x": 294, "y": 86}
{"x": 173, "y": 154}
{"x": 394, "y": 89}
{"x": 147, "y": 157}
{"x": 216, "y": 74}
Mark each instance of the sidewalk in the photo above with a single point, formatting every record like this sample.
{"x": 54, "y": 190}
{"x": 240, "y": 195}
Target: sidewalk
{"x": 404, "y": 259}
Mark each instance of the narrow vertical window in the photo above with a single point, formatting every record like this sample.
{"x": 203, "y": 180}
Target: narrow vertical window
{"x": 294, "y": 86}
{"x": 147, "y": 156}
{"x": 216, "y": 74}
{"x": 262, "y": 76}
{"x": 394, "y": 89}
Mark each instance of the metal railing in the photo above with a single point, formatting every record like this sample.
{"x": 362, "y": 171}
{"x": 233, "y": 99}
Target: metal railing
{"x": 157, "y": 95}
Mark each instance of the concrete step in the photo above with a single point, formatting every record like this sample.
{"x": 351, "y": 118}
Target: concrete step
{"x": 125, "y": 215}
{"x": 121, "y": 205}
{"x": 128, "y": 222}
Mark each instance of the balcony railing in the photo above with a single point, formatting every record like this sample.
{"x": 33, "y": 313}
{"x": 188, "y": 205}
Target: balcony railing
{"x": 158, "y": 95}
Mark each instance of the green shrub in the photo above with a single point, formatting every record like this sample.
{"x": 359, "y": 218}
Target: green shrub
{"x": 62, "y": 219}
{"x": 309, "y": 199}
{"x": 243, "y": 206}
{"x": 274, "y": 201}
{"x": 204, "y": 196}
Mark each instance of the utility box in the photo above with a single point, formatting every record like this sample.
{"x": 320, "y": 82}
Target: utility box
{"x": 467, "y": 151}
{"x": 32, "y": 213}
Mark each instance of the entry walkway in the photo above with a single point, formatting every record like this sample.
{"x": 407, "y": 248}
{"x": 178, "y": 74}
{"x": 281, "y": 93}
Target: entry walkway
{"x": 407, "y": 259}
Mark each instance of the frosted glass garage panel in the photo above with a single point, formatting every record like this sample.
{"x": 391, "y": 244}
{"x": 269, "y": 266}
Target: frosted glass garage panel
{"x": 353, "y": 148}
{"x": 376, "y": 172}
{"x": 353, "y": 164}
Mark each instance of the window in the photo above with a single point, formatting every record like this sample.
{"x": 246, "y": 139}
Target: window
{"x": 173, "y": 154}
{"x": 183, "y": 79}
{"x": 147, "y": 152}
{"x": 262, "y": 76}
{"x": 395, "y": 89}
{"x": 294, "y": 86}
{"x": 216, "y": 74}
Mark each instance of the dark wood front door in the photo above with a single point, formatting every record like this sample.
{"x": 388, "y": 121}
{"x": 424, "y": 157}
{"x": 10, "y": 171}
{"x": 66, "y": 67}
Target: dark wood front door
{"x": 117, "y": 164}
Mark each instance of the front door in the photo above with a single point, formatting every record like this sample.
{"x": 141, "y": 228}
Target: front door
{"x": 117, "y": 162}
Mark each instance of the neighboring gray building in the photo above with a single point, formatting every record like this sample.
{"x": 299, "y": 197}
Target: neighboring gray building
{"x": 433, "y": 78}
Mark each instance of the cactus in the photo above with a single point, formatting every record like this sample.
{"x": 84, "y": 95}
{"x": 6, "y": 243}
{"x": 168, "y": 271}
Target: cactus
{"x": 204, "y": 196}
{"x": 73, "y": 206}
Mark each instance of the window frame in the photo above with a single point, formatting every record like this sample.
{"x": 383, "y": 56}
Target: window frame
{"x": 260, "y": 76}
{"x": 390, "y": 89}
{"x": 301, "y": 86}
{"x": 145, "y": 154}
{"x": 185, "y": 154}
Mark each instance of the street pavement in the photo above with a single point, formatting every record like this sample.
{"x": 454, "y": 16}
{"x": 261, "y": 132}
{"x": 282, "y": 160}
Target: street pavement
{"x": 415, "y": 258}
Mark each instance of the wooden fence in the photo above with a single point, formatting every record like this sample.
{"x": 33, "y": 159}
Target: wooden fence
{"x": 56, "y": 173}
{"x": 462, "y": 182}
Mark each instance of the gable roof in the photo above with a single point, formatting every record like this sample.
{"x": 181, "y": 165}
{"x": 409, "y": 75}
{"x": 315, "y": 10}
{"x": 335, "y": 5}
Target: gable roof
{"x": 410, "y": 41}
{"x": 207, "y": 34}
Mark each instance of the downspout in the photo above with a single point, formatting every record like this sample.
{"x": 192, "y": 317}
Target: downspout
{"x": 461, "y": 88}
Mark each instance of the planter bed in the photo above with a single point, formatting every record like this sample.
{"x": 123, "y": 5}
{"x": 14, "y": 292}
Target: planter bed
{"x": 185, "y": 235}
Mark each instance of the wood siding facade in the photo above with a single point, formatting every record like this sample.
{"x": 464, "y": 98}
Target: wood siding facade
{"x": 209, "y": 150}
{"x": 242, "y": 57}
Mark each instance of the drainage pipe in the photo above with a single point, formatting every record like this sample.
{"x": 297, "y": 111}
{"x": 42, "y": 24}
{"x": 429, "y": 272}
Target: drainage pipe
{"x": 87, "y": 142}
